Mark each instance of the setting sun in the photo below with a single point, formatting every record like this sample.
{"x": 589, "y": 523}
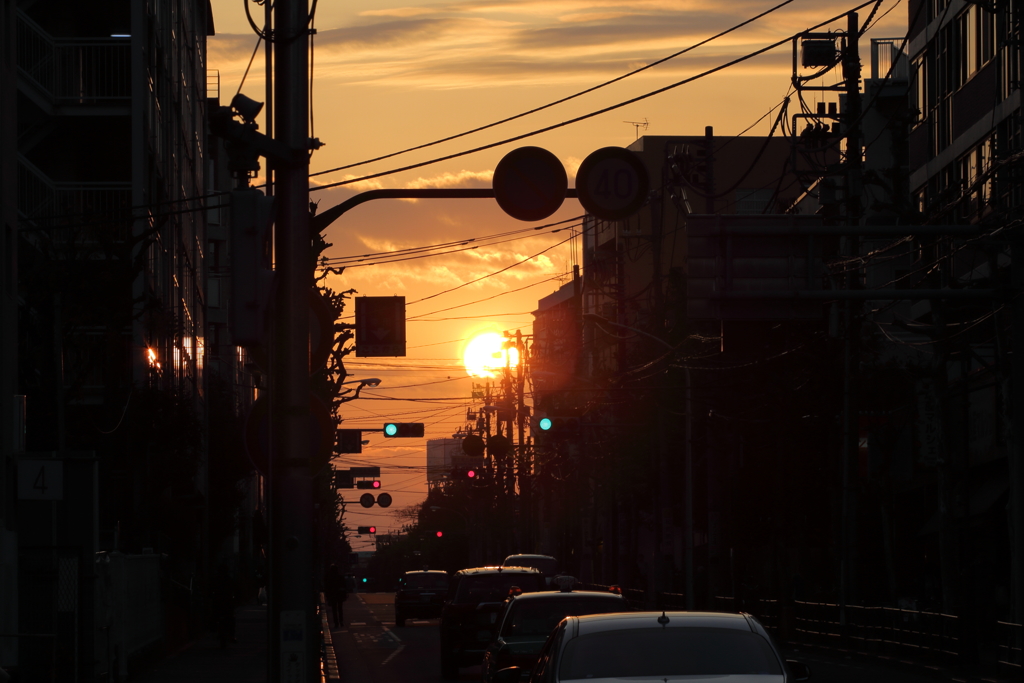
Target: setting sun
{"x": 484, "y": 355}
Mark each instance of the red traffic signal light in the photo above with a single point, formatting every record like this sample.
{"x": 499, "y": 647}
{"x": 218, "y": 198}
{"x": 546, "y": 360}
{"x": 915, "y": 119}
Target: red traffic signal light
{"x": 374, "y": 484}
{"x": 373, "y": 529}
{"x": 439, "y": 534}
{"x": 471, "y": 474}
{"x": 366, "y": 530}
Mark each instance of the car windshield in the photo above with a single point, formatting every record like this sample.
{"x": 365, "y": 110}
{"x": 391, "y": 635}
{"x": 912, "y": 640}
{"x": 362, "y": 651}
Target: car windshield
{"x": 689, "y": 651}
{"x": 494, "y": 587}
{"x": 434, "y": 581}
{"x": 547, "y": 565}
{"x": 539, "y": 617}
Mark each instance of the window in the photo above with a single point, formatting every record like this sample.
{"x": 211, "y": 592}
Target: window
{"x": 660, "y": 652}
{"x": 967, "y": 27}
{"x": 921, "y": 88}
{"x": 539, "y": 617}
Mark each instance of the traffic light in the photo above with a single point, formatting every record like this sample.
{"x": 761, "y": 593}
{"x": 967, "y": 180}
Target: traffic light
{"x": 559, "y": 426}
{"x": 367, "y": 530}
{"x": 252, "y": 214}
{"x": 349, "y": 441}
{"x": 404, "y": 430}
{"x": 374, "y": 484}
{"x": 464, "y": 473}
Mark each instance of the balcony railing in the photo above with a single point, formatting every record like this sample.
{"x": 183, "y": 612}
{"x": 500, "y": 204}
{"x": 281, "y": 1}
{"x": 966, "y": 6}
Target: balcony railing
{"x": 78, "y": 205}
{"x": 78, "y": 70}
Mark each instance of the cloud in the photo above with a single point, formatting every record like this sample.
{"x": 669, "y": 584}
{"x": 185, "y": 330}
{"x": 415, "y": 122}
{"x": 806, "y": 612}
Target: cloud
{"x": 461, "y": 179}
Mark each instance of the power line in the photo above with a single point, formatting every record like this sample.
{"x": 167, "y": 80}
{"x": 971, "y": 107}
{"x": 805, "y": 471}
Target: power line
{"x": 561, "y": 101}
{"x": 592, "y": 114}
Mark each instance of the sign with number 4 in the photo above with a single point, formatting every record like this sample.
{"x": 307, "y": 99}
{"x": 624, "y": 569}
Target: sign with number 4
{"x": 40, "y": 480}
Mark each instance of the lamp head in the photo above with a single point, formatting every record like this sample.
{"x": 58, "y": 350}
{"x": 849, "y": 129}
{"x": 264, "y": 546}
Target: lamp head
{"x": 371, "y": 382}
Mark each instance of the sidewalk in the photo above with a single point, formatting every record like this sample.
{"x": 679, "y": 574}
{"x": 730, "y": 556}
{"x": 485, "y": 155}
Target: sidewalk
{"x": 204, "y": 661}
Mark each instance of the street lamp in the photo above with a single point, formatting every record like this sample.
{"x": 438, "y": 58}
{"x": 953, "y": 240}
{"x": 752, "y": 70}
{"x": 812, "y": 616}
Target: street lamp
{"x": 368, "y": 382}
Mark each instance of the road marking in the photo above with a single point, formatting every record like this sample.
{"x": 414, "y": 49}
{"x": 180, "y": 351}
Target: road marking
{"x": 392, "y": 655}
{"x": 357, "y": 623}
{"x": 391, "y": 633}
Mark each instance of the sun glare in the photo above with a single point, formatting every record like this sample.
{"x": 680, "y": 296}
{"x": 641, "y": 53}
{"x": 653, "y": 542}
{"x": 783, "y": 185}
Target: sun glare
{"x": 484, "y": 355}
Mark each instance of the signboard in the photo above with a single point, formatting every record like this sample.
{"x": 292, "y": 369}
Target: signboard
{"x": 40, "y": 480}
{"x": 371, "y": 472}
{"x": 530, "y": 183}
{"x": 612, "y": 183}
{"x": 380, "y": 326}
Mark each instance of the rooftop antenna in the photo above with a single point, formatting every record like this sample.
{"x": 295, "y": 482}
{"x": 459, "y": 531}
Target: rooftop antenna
{"x": 638, "y": 125}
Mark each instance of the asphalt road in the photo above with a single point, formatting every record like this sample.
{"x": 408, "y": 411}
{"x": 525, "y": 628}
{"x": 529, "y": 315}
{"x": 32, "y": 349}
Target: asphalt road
{"x": 371, "y": 649}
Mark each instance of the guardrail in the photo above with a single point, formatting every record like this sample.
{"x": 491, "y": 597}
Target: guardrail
{"x": 895, "y": 630}
{"x": 1011, "y": 639}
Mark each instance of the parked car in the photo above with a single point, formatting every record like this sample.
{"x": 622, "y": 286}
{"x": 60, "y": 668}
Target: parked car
{"x": 420, "y": 595}
{"x": 528, "y": 619}
{"x": 700, "y": 646}
{"x": 545, "y": 564}
{"x": 470, "y": 614}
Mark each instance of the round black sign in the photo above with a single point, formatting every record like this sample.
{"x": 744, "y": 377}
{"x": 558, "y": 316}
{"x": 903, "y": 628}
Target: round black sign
{"x": 612, "y": 183}
{"x": 473, "y": 444}
{"x": 530, "y": 183}
{"x": 384, "y": 500}
{"x": 366, "y": 500}
{"x": 498, "y": 445}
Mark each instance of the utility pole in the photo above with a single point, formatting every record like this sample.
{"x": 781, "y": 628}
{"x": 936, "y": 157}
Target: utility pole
{"x": 293, "y": 632}
{"x": 851, "y": 76}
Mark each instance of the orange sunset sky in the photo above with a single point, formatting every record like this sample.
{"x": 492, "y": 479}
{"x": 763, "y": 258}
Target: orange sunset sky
{"x": 389, "y": 75}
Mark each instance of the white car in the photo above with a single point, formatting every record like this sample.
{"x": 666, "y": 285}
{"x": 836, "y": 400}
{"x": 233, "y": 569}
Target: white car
{"x": 661, "y": 646}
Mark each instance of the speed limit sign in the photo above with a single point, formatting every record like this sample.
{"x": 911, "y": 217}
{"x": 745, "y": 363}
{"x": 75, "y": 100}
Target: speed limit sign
{"x": 612, "y": 183}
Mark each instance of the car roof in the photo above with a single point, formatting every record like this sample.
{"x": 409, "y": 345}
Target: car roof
{"x": 528, "y": 556}
{"x": 427, "y": 571}
{"x": 560, "y": 595}
{"x": 597, "y": 623}
{"x": 474, "y": 571}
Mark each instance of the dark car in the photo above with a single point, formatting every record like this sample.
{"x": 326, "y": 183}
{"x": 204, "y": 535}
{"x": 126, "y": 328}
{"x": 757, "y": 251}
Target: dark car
{"x": 528, "y": 619}
{"x": 698, "y": 647}
{"x": 420, "y": 595}
{"x": 469, "y": 618}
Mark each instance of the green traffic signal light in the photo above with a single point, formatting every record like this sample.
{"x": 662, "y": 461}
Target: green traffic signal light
{"x": 390, "y": 429}
{"x": 544, "y": 424}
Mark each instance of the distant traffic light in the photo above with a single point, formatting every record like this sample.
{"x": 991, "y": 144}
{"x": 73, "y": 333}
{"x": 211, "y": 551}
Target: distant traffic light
{"x": 438, "y": 534}
{"x": 368, "y": 484}
{"x": 366, "y": 530}
{"x": 433, "y": 534}
{"x": 559, "y": 426}
{"x": 404, "y": 430}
